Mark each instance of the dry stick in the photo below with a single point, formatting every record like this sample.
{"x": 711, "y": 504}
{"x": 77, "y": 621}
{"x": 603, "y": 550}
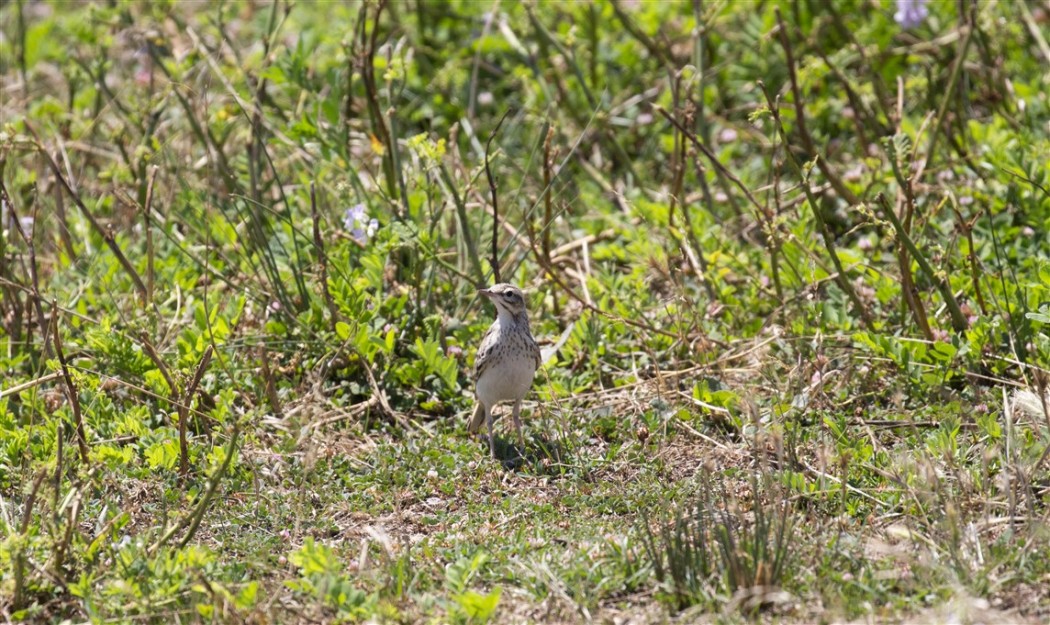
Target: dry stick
{"x": 658, "y": 51}
{"x": 721, "y": 169}
{"x": 366, "y": 63}
{"x": 150, "y": 281}
{"x": 229, "y": 181}
{"x": 184, "y": 415}
{"x": 800, "y": 121}
{"x": 60, "y": 455}
{"x": 107, "y": 236}
{"x": 1034, "y": 30}
{"x": 862, "y": 113}
{"x": 907, "y": 206}
{"x": 829, "y": 242}
{"x": 959, "y": 322}
{"x": 18, "y": 556}
{"x": 548, "y": 216}
{"x": 549, "y": 270}
{"x": 689, "y": 244}
{"x": 881, "y": 95}
{"x": 322, "y": 258}
{"x": 63, "y": 225}
{"x": 773, "y": 234}
{"x": 619, "y": 156}
{"x": 33, "y": 274}
{"x": 688, "y": 134}
{"x": 269, "y": 383}
{"x": 70, "y": 386}
{"x": 975, "y": 272}
{"x": 495, "y": 201}
{"x": 7, "y": 392}
{"x": 147, "y": 346}
{"x": 128, "y": 385}
{"x": 12, "y": 318}
{"x": 180, "y": 400}
{"x": 255, "y": 135}
{"x": 1042, "y": 381}
{"x": 472, "y": 94}
{"x": 911, "y": 292}
{"x": 461, "y": 214}
{"x": 61, "y": 548}
{"x": 953, "y": 80}
{"x": 193, "y": 519}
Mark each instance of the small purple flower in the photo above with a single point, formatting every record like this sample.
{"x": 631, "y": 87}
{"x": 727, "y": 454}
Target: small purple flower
{"x": 360, "y": 226}
{"x": 910, "y": 13}
{"x": 353, "y": 215}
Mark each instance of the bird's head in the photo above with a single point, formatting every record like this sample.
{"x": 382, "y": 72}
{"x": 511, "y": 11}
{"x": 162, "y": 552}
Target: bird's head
{"x": 507, "y": 298}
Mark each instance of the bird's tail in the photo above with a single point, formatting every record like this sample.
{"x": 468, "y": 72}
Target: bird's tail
{"x": 478, "y": 419}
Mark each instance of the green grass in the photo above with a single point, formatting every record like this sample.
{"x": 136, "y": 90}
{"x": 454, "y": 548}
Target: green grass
{"x": 789, "y": 259}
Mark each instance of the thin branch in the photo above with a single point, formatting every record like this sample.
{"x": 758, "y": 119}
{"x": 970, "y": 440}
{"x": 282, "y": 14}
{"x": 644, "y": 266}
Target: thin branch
{"x": 70, "y": 386}
{"x": 841, "y": 279}
{"x": 800, "y": 118}
{"x": 495, "y": 201}
{"x": 107, "y": 236}
{"x": 193, "y": 519}
{"x": 322, "y": 258}
{"x": 959, "y": 322}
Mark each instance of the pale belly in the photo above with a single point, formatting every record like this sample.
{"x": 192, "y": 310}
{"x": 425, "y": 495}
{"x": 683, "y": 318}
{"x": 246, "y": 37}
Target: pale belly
{"x": 507, "y": 380}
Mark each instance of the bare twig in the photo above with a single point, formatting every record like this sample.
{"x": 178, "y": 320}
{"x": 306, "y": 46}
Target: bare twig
{"x": 181, "y": 400}
{"x": 19, "y": 557}
{"x": 184, "y": 414}
{"x": 33, "y": 274}
{"x": 70, "y": 386}
{"x": 107, "y": 235}
{"x": 841, "y": 279}
{"x": 800, "y": 118}
{"x": 953, "y": 80}
{"x": 706, "y": 151}
{"x": 322, "y": 258}
{"x": 494, "y": 261}
{"x": 547, "y": 200}
{"x": 270, "y": 384}
{"x": 193, "y": 519}
{"x": 7, "y": 392}
{"x": 959, "y": 322}
{"x": 146, "y": 208}
{"x": 975, "y": 273}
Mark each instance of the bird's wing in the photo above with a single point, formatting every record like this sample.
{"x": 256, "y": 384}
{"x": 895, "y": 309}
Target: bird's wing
{"x": 482, "y": 360}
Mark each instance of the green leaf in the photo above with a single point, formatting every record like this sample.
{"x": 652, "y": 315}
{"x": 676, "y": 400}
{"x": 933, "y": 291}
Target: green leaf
{"x": 943, "y": 352}
{"x": 162, "y": 455}
{"x": 246, "y": 597}
{"x": 1038, "y": 317}
{"x": 477, "y": 606}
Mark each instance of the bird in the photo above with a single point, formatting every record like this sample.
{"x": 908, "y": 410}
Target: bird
{"x": 506, "y": 362}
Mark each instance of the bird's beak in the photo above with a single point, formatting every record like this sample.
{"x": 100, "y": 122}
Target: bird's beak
{"x": 486, "y": 292}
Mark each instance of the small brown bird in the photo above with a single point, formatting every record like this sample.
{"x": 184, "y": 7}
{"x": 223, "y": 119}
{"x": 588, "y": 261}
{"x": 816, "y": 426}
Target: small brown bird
{"x": 507, "y": 360}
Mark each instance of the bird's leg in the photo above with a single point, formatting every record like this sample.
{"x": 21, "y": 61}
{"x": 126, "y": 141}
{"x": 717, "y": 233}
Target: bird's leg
{"x": 492, "y": 436}
{"x": 517, "y": 424}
